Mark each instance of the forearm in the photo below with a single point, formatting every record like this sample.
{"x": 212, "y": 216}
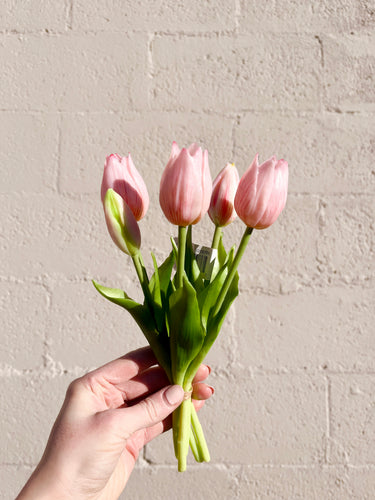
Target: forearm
{"x": 42, "y": 485}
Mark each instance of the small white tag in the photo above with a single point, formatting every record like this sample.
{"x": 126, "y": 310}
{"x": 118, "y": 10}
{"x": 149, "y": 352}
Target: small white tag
{"x": 205, "y": 257}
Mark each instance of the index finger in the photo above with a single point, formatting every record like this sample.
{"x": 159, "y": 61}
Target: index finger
{"x": 128, "y": 366}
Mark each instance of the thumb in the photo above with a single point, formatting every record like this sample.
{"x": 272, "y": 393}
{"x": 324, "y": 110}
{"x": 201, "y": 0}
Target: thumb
{"x": 152, "y": 410}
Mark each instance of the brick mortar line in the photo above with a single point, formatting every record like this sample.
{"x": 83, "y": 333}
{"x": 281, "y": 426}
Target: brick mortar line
{"x": 52, "y": 369}
{"x": 237, "y": 15}
{"x": 256, "y": 291}
{"x": 69, "y": 15}
{"x": 138, "y": 112}
{"x": 328, "y": 421}
{"x": 229, "y": 466}
{"x": 235, "y": 32}
{"x": 232, "y": 466}
{"x": 150, "y": 67}
{"x": 88, "y": 195}
{"x": 181, "y": 111}
{"x": 284, "y": 112}
{"x": 59, "y": 155}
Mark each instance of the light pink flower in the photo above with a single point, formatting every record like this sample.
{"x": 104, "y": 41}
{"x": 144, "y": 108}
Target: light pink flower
{"x": 121, "y": 223}
{"x": 186, "y": 185}
{"x": 262, "y": 192}
{"x": 224, "y": 188}
{"x": 121, "y": 175}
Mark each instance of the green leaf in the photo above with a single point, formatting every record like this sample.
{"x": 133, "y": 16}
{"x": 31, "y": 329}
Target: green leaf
{"x": 165, "y": 271}
{"x": 154, "y": 284}
{"x": 221, "y": 253}
{"x": 141, "y": 314}
{"x": 186, "y": 330}
{"x": 160, "y": 288}
{"x": 214, "y": 324}
{"x": 191, "y": 266}
{"x": 207, "y": 298}
{"x": 230, "y": 256}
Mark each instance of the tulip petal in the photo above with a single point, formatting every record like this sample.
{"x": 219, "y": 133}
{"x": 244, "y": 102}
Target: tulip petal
{"x": 261, "y": 193}
{"x": 244, "y": 201}
{"x": 185, "y": 186}
{"x": 279, "y": 195}
{"x": 224, "y": 188}
{"x": 121, "y": 175}
{"x": 265, "y": 186}
{"x": 121, "y": 223}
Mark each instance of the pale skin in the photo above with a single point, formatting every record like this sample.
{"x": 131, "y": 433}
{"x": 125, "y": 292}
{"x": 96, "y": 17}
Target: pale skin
{"x": 107, "y": 417}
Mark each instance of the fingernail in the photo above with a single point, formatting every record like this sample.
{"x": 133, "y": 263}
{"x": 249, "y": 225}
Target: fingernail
{"x": 211, "y": 389}
{"x": 174, "y": 394}
{"x": 209, "y": 369}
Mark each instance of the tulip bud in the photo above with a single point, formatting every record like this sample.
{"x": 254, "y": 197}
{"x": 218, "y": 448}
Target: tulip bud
{"x": 224, "y": 188}
{"x": 186, "y": 185}
{"x": 262, "y": 192}
{"x": 121, "y": 223}
{"x": 121, "y": 175}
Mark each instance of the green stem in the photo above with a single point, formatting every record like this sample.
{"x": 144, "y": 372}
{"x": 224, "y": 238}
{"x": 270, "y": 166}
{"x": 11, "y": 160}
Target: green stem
{"x": 143, "y": 279}
{"x": 228, "y": 280}
{"x": 217, "y": 235}
{"x": 183, "y": 433}
{"x": 152, "y": 337}
{"x": 181, "y": 255}
{"x": 194, "y": 365}
{"x": 194, "y": 447}
{"x": 203, "y": 453}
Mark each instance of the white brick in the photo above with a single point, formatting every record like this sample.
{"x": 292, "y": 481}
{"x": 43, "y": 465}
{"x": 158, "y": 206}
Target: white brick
{"x": 24, "y": 311}
{"x": 286, "y": 483}
{"x": 28, "y": 152}
{"x": 346, "y": 245}
{"x": 312, "y": 329}
{"x": 113, "y": 15}
{"x": 313, "y": 147}
{"x": 88, "y": 138}
{"x": 105, "y": 71}
{"x": 352, "y": 419}
{"x": 201, "y": 481}
{"x": 33, "y": 15}
{"x": 265, "y": 72}
{"x": 28, "y": 408}
{"x": 352, "y": 90}
{"x": 293, "y": 16}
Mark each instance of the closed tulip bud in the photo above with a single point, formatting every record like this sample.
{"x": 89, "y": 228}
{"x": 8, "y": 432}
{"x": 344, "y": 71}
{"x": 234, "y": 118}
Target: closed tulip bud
{"x": 186, "y": 185}
{"x": 262, "y": 192}
{"x": 121, "y": 223}
{"x": 121, "y": 175}
{"x": 224, "y": 188}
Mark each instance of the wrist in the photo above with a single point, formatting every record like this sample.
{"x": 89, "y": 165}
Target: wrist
{"x": 43, "y": 484}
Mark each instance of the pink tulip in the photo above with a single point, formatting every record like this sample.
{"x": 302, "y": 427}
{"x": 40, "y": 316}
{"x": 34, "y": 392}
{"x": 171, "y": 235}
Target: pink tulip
{"x": 224, "y": 188}
{"x": 121, "y": 175}
{"x": 262, "y": 193}
{"x": 185, "y": 186}
{"x": 121, "y": 223}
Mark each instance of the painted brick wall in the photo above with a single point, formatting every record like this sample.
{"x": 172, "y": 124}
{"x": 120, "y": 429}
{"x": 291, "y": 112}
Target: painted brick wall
{"x": 293, "y": 416}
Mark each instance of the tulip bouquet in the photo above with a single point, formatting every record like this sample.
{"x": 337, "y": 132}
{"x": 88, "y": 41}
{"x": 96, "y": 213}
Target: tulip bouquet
{"x": 188, "y": 296}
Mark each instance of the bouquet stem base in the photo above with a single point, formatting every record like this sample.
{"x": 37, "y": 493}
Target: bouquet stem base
{"x": 187, "y": 430}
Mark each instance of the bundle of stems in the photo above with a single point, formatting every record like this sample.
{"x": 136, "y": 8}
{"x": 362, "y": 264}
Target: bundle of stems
{"x": 181, "y": 317}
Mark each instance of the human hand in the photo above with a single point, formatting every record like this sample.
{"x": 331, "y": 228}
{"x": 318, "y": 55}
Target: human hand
{"x": 107, "y": 417}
